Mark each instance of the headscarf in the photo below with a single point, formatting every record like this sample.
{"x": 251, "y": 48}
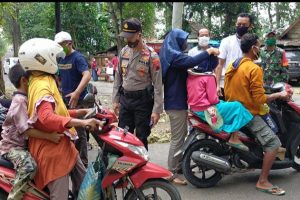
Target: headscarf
{"x": 171, "y": 48}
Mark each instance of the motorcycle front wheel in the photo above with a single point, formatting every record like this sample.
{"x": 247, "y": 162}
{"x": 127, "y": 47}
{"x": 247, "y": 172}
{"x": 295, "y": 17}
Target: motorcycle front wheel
{"x": 159, "y": 189}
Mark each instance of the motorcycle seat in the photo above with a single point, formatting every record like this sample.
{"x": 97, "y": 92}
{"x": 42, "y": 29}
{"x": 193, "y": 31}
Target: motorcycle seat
{"x": 6, "y": 163}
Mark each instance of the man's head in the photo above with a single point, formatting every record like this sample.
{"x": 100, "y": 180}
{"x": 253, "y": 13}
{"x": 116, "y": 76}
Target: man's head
{"x": 18, "y": 76}
{"x": 64, "y": 39}
{"x": 270, "y": 38}
{"x": 132, "y": 32}
{"x": 203, "y": 37}
{"x": 250, "y": 45}
{"x": 243, "y": 24}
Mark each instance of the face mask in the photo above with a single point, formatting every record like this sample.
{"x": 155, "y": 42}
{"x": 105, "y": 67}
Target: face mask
{"x": 241, "y": 30}
{"x": 66, "y": 50}
{"x": 256, "y": 54}
{"x": 133, "y": 44}
{"x": 203, "y": 41}
{"x": 270, "y": 42}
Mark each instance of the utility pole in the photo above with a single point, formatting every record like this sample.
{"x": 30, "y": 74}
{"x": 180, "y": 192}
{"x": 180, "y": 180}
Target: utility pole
{"x": 57, "y": 17}
{"x": 177, "y": 15}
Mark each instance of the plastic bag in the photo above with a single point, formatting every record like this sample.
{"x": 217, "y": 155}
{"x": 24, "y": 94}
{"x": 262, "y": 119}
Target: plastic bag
{"x": 90, "y": 188}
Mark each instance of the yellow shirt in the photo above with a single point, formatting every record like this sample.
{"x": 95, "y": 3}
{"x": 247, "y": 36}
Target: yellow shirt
{"x": 245, "y": 84}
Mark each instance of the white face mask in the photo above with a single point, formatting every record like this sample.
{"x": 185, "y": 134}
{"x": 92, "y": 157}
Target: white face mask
{"x": 203, "y": 41}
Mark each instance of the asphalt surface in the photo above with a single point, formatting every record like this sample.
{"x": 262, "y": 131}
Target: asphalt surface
{"x": 237, "y": 186}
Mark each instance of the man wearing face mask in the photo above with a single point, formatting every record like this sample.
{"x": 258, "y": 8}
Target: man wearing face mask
{"x": 75, "y": 75}
{"x": 230, "y": 49}
{"x": 203, "y": 42}
{"x": 244, "y": 83}
{"x": 273, "y": 61}
{"x": 137, "y": 92}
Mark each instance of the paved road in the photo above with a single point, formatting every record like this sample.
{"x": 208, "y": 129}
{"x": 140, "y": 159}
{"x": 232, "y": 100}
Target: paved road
{"x": 233, "y": 187}
{"x": 237, "y": 186}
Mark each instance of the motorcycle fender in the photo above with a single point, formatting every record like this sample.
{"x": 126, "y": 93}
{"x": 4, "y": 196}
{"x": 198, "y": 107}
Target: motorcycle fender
{"x": 191, "y": 138}
{"x": 148, "y": 171}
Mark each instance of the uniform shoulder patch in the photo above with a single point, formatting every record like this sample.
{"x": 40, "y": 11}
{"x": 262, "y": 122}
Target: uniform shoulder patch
{"x": 155, "y": 61}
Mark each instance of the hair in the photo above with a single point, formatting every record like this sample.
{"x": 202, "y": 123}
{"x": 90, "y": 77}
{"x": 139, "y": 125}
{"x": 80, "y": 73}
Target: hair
{"x": 247, "y": 41}
{"x": 246, "y": 15}
{"x": 16, "y": 73}
{"x": 203, "y": 28}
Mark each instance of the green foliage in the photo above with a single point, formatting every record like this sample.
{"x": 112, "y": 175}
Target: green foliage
{"x": 37, "y": 20}
{"x": 88, "y": 27}
{"x": 145, "y": 12}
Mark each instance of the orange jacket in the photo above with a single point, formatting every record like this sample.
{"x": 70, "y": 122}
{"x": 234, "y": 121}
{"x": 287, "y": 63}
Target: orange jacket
{"x": 244, "y": 83}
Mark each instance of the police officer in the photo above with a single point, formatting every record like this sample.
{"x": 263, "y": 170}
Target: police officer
{"x": 137, "y": 93}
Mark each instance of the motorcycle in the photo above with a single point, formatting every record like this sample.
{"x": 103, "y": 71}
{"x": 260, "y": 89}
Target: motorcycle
{"x": 126, "y": 160}
{"x": 207, "y": 157}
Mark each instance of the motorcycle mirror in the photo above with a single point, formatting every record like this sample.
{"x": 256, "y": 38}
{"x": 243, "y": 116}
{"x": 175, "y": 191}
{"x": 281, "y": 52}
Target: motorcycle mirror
{"x": 91, "y": 113}
{"x": 89, "y": 98}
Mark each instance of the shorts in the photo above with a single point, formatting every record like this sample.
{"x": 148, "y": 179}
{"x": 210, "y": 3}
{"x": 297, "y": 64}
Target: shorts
{"x": 268, "y": 139}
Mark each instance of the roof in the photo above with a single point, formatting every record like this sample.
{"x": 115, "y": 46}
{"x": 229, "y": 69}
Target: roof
{"x": 295, "y": 43}
{"x": 289, "y": 28}
{"x": 113, "y": 48}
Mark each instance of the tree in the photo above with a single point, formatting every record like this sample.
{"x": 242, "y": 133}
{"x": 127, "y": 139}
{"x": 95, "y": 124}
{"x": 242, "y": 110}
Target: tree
{"x": 11, "y": 24}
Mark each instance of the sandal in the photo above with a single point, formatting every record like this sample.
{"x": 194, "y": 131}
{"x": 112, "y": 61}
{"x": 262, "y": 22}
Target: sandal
{"x": 274, "y": 190}
{"x": 177, "y": 180}
{"x": 240, "y": 146}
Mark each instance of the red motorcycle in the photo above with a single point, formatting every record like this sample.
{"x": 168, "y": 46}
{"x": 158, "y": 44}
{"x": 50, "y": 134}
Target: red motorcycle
{"x": 207, "y": 157}
{"x": 127, "y": 162}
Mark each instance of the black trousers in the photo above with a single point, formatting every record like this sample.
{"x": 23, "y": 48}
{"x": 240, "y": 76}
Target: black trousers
{"x": 135, "y": 112}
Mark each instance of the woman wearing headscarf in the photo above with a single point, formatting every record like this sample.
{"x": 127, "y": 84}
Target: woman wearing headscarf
{"x": 175, "y": 64}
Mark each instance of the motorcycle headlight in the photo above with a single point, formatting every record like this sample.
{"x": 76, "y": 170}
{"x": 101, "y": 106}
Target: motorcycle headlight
{"x": 139, "y": 150}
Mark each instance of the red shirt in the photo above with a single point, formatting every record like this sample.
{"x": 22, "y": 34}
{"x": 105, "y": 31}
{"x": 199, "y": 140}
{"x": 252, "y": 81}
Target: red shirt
{"x": 115, "y": 62}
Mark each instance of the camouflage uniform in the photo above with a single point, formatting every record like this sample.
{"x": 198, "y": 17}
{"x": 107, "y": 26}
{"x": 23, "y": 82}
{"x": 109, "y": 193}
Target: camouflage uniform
{"x": 275, "y": 66}
{"x": 25, "y": 167}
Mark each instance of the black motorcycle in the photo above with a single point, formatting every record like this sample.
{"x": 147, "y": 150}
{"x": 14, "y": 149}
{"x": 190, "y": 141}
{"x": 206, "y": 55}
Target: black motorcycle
{"x": 207, "y": 157}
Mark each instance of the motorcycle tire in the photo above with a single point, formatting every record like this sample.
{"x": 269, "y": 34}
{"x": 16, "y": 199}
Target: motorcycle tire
{"x": 3, "y": 194}
{"x": 296, "y": 166}
{"x": 155, "y": 183}
{"x": 209, "y": 146}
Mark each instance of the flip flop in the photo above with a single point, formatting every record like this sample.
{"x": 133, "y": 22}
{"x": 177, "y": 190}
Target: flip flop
{"x": 179, "y": 181}
{"x": 240, "y": 146}
{"x": 274, "y": 190}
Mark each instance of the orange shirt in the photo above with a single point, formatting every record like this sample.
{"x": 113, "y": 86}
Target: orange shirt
{"x": 54, "y": 160}
{"x": 245, "y": 84}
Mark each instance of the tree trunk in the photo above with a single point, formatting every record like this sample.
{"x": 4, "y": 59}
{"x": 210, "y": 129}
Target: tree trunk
{"x": 57, "y": 17}
{"x": 257, "y": 10}
{"x": 115, "y": 21}
{"x": 270, "y": 15}
{"x": 277, "y": 9}
{"x": 2, "y": 84}
{"x": 16, "y": 31}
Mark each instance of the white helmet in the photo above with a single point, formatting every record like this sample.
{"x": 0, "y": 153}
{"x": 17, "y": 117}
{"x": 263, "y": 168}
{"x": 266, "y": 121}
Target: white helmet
{"x": 40, "y": 54}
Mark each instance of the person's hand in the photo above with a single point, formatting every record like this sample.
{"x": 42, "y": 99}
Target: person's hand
{"x": 154, "y": 118}
{"x": 116, "y": 108}
{"x": 83, "y": 112}
{"x": 92, "y": 124}
{"x": 213, "y": 51}
{"x": 219, "y": 91}
{"x": 74, "y": 97}
{"x": 54, "y": 137}
{"x": 285, "y": 95}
